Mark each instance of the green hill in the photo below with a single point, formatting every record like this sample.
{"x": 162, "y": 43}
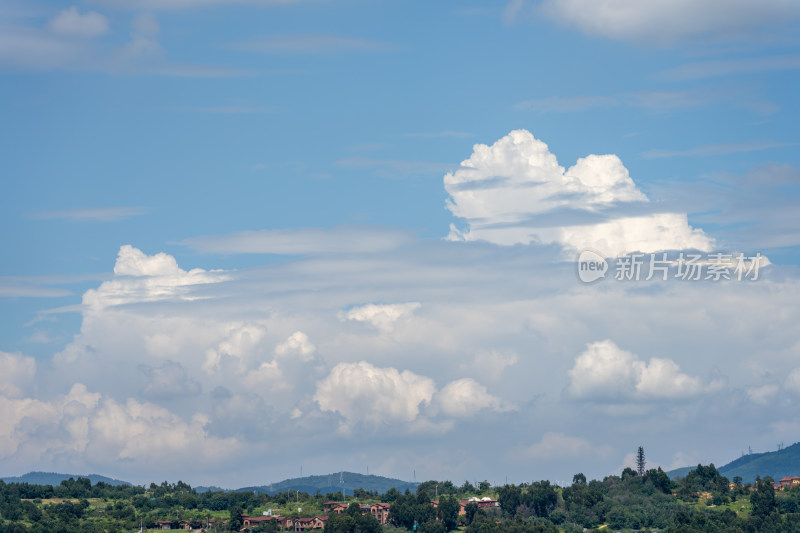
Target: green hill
{"x": 340, "y": 481}
{"x": 782, "y": 463}
{"x": 778, "y": 464}
{"x": 680, "y": 472}
{"x": 53, "y": 478}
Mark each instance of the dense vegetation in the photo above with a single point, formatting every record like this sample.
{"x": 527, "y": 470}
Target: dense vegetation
{"x": 703, "y": 501}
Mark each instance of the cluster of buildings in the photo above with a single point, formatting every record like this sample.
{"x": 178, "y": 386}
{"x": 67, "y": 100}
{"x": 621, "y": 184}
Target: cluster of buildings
{"x": 284, "y": 522}
{"x": 482, "y": 503}
{"x": 787, "y": 483}
{"x": 783, "y": 484}
{"x": 378, "y": 510}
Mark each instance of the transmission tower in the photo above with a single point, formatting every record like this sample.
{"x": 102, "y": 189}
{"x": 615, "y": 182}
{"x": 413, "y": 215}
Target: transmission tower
{"x": 640, "y": 462}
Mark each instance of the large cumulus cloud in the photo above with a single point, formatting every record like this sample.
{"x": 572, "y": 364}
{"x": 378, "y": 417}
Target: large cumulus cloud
{"x": 515, "y": 192}
{"x": 604, "y": 371}
{"x": 363, "y": 393}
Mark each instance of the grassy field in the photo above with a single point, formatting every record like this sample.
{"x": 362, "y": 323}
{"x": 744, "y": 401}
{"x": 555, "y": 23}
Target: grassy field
{"x": 741, "y": 506}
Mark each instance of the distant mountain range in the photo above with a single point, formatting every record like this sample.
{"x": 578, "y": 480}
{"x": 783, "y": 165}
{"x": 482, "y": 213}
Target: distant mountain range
{"x": 340, "y": 481}
{"x": 346, "y": 482}
{"x": 52, "y": 478}
{"x": 778, "y": 464}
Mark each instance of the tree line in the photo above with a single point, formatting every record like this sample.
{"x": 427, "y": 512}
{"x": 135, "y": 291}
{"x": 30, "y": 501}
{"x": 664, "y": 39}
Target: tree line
{"x": 703, "y": 501}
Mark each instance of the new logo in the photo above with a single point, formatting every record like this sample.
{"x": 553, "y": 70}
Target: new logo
{"x": 591, "y": 266}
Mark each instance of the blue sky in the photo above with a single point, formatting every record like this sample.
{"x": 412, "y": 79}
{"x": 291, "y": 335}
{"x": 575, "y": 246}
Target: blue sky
{"x": 342, "y": 234}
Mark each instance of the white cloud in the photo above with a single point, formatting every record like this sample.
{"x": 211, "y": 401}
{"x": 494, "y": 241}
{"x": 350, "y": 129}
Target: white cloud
{"x": 133, "y": 262}
{"x": 554, "y": 445}
{"x": 168, "y": 380}
{"x": 655, "y": 101}
{"x": 139, "y": 277}
{"x": 465, "y": 397}
{"x": 382, "y": 316}
{"x": 662, "y": 378}
{"x": 86, "y": 426}
{"x": 15, "y": 411}
{"x": 72, "y": 23}
{"x": 792, "y": 382}
{"x": 71, "y": 42}
{"x": 295, "y": 365}
{"x": 147, "y": 25}
{"x": 311, "y": 44}
{"x": 363, "y": 393}
{"x": 491, "y": 364}
{"x": 763, "y": 394}
{"x": 569, "y": 104}
{"x": 672, "y": 21}
{"x": 189, "y": 4}
{"x": 15, "y": 289}
{"x": 340, "y": 239}
{"x": 97, "y": 214}
{"x": 240, "y": 346}
{"x": 661, "y": 231}
{"x": 395, "y": 168}
{"x": 145, "y": 431}
{"x": 278, "y": 332}
{"x": 605, "y": 371}
{"x": 762, "y": 215}
{"x": 707, "y": 69}
{"x": 718, "y": 149}
{"x": 437, "y": 134}
{"x": 375, "y": 397}
{"x": 515, "y": 192}
{"x": 16, "y": 373}
{"x": 296, "y": 345}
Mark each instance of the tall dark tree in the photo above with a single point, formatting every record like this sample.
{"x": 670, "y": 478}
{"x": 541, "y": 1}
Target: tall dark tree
{"x": 237, "y": 520}
{"x": 640, "y": 462}
{"x": 508, "y": 496}
{"x": 470, "y": 509}
{"x": 447, "y": 512}
{"x": 762, "y": 500}
{"x": 541, "y": 497}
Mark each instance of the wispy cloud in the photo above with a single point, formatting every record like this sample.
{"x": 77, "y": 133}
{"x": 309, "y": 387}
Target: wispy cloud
{"x": 177, "y": 70}
{"x": 42, "y": 337}
{"x": 666, "y": 22}
{"x": 394, "y": 168}
{"x": 654, "y": 101}
{"x": 23, "y": 290}
{"x": 311, "y": 44}
{"x": 668, "y": 100}
{"x": 70, "y": 41}
{"x": 227, "y": 110}
{"x": 438, "y": 134}
{"x": 299, "y": 241}
{"x": 568, "y": 103}
{"x": 173, "y": 5}
{"x": 711, "y": 69}
{"x": 94, "y": 214}
{"x": 717, "y": 149}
